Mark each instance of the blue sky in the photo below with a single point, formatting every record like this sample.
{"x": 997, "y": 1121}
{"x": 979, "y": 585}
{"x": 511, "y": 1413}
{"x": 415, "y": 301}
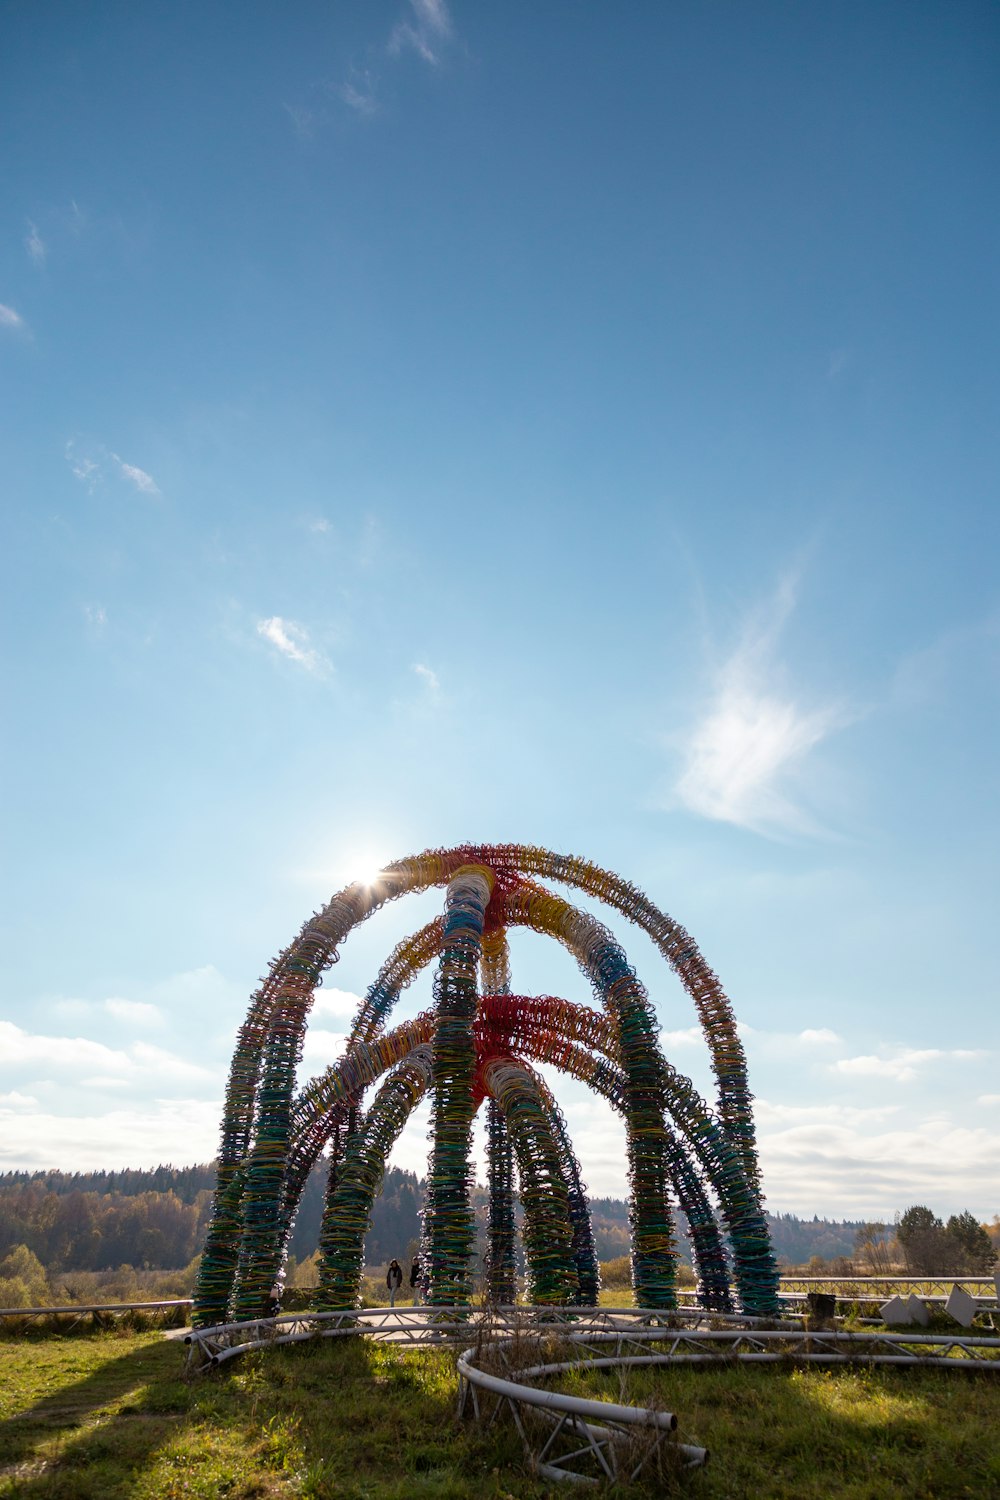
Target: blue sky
{"x": 562, "y": 424}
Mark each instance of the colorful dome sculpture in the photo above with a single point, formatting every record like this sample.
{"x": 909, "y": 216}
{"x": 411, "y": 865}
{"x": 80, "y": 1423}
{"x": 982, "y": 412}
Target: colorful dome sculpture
{"x": 478, "y": 1044}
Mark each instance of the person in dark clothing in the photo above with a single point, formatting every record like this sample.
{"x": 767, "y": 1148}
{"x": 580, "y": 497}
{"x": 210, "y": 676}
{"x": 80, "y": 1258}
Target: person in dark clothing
{"x": 394, "y": 1280}
{"x": 415, "y": 1280}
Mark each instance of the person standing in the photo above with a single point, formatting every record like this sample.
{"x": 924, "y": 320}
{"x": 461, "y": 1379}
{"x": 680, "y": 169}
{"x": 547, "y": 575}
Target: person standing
{"x": 394, "y": 1280}
{"x": 415, "y": 1280}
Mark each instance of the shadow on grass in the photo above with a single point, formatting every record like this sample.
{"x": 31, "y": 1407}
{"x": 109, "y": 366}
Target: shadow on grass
{"x": 818, "y": 1432}
{"x": 354, "y": 1418}
{"x": 121, "y": 1410}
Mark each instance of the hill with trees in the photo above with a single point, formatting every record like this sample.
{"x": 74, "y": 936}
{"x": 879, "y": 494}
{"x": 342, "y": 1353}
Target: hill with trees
{"x": 61, "y": 1224}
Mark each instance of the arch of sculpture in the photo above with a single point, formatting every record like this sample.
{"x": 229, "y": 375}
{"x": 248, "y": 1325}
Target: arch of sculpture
{"x": 476, "y": 1044}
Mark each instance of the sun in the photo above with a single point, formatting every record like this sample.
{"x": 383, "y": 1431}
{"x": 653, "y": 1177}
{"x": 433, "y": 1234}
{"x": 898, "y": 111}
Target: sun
{"x": 362, "y": 868}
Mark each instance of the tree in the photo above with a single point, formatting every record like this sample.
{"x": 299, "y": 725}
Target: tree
{"x": 23, "y": 1282}
{"x": 993, "y": 1234}
{"x": 926, "y": 1247}
{"x": 971, "y": 1245}
{"x": 873, "y": 1248}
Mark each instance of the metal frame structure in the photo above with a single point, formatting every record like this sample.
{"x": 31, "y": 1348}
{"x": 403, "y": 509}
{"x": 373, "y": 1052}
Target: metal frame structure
{"x": 577, "y": 1438}
{"x": 100, "y": 1312}
{"x": 209, "y": 1347}
{"x": 878, "y": 1288}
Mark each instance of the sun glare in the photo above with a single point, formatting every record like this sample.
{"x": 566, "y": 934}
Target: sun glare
{"x": 364, "y": 868}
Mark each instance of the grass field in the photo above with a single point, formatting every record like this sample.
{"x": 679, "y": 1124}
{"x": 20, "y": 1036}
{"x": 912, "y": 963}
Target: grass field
{"x": 107, "y": 1416}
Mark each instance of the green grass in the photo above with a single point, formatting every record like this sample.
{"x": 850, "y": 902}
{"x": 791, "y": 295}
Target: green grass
{"x": 110, "y": 1416}
{"x": 824, "y": 1433}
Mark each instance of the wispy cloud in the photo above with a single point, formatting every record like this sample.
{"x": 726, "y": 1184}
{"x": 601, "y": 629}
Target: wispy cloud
{"x": 304, "y": 120}
{"x": 424, "y": 28}
{"x": 742, "y": 751}
{"x": 426, "y": 31}
{"x": 86, "y": 470}
{"x": 35, "y": 245}
{"x": 428, "y": 677}
{"x": 903, "y": 1064}
{"x": 358, "y": 93}
{"x": 143, "y": 482}
{"x": 292, "y": 640}
{"x": 90, "y": 467}
{"x": 9, "y": 318}
{"x": 925, "y": 677}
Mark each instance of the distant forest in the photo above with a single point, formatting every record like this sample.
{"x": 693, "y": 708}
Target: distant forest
{"x": 153, "y": 1220}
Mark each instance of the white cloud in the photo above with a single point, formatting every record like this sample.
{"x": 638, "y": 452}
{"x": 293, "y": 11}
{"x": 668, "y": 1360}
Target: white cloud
{"x": 143, "y": 482}
{"x": 739, "y": 756}
{"x": 334, "y": 1002}
{"x": 179, "y": 1130}
{"x": 690, "y": 1036}
{"x": 21, "y": 1048}
{"x": 768, "y": 1114}
{"x": 428, "y": 677}
{"x": 784, "y": 1044}
{"x": 192, "y": 992}
{"x": 320, "y": 1048}
{"x": 841, "y": 1163}
{"x": 166, "y": 1065}
{"x": 901, "y": 1065}
{"x": 35, "y": 245}
{"x": 292, "y": 640}
{"x": 988, "y": 1099}
{"x": 9, "y": 318}
{"x": 140, "y": 1064}
{"x": 320, "y": 525}
{"x": 95, "y": 615}
{"x": 14, "y": 1100}
{"x": 135, "y": 1012}
{"x": 426, "y": 32}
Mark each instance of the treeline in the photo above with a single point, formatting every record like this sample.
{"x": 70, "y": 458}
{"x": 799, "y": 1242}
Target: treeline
{"x": 798, "y": 1241}
{"x": 89, "y": 1230}
{"x": 963, "y": 1246}
{"x": 185, "y": 1182}
{"x": 156, "y": 1220}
